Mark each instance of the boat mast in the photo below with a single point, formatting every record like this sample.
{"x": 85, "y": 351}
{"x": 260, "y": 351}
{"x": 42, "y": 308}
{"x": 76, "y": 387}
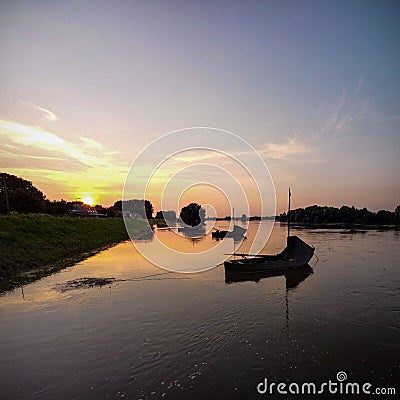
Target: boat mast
{"x": 288, "y": 217}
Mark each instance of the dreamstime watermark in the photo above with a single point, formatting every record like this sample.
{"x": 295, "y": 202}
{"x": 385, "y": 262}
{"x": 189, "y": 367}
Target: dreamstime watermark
{"x": 340, "y": 386}
{"x": 215, "y": 166}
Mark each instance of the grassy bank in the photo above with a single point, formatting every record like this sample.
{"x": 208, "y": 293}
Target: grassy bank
{"x": 32, "y": 246}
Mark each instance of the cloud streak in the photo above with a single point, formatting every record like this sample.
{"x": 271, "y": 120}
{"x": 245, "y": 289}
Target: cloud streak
{"x": 81, "y": 165}
{"x": 349, "y": 111}
{"x": 50, "y": 116}
{"x": 47, "y": 114}
{"x": 292, "y": 146}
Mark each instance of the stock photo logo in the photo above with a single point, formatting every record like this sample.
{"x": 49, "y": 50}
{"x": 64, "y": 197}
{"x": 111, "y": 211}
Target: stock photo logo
{"x": 212, "y": 167}
{"x": 338, "y": 387}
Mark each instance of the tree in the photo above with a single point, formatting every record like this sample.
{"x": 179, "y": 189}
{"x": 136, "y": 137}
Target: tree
{"x": 159, "y": 215}
{"x": 19, "y": 195}
{"x": 141, "y": 207}
{"x": 397, "y": 215}
{"x": 243, "y": 218}
{"x": 193, "y": 214}
{"x": 169, "y": 215}
{"x": 149, "y": 209}
{"x": 384, "y": 217}
{"x": 58, "y": 207}
{"x": 344, "y": 215}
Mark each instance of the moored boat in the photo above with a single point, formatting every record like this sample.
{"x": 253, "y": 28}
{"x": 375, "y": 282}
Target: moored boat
{"x": 296, "y": 254}
{"x": 237, "y": 232}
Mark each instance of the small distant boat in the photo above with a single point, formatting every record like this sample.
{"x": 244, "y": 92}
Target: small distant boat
{"x": 296, "y": 254}
{"x": 237, "y": 232}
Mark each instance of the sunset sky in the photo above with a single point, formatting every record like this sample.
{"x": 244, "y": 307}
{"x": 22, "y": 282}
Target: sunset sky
{"x": 313, "y": 86}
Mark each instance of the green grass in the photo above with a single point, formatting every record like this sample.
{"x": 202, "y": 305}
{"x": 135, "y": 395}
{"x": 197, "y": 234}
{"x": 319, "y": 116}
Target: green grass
{"x": 36, "y": 245}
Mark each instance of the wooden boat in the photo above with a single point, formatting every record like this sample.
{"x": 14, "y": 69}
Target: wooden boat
{"x": 237, "y": 232}
{"x": 296, "y": 254}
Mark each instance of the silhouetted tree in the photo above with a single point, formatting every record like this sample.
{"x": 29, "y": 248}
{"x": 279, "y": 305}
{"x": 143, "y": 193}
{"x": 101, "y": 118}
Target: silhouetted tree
{"x": 117, "y": 205}
{"x": 193, "y": 214}
{"x": 149, "y": 209}
{"x": 58, "y": 207}
{"x": 141, "y": 207}
{"x": 19, "y": 195}
{"x": 397, "y": 215}
{"x": 243, "y": 218}
{"x": 384, "y": 217}
{"x": 345, "y": 214}
{"x": 169, "y": 215}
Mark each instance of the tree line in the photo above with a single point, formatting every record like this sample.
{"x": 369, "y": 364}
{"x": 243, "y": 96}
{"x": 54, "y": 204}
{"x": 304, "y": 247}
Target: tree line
{"x": 344, "y": 215}
{"x": 19, "y": 195}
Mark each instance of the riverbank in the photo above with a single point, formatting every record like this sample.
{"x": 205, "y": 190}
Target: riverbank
{"x": 33, "y": 246}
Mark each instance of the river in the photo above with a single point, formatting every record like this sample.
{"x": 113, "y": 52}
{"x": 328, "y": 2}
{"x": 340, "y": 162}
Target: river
{"x": 154, "y": 334}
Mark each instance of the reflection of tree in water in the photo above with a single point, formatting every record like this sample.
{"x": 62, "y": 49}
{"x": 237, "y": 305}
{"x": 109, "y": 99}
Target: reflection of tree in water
{"x": 193, "y": 233}
{"x": 195, "y": 240}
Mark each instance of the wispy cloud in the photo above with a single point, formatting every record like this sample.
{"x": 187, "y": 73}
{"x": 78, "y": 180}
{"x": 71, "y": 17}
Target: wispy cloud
{"x": 360, "y": 82}
{"x": 349, "y": 110}
{"x": 47, "y": 114}
{"x": 90, "y": 143}
{"x": 82, "y": 165}
{"x": 39, "y": 138}
{"x": 391, "y": 116}
{"x": 282, "y": 151}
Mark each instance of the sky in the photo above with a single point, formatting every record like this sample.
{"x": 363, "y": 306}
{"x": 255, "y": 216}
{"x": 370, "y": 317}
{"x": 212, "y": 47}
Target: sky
{"x": 313, "y": 86}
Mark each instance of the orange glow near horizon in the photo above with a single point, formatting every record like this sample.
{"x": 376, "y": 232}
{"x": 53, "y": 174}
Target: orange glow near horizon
{"x": 79, "y": 167}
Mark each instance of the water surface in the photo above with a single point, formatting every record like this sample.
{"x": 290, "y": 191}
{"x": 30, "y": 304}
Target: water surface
{"x": 155, "y": 334}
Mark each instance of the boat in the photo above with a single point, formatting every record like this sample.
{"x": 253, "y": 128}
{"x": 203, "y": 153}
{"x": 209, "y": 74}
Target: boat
{"x": 237, "y": 232}
{"x": 296, "y": 254}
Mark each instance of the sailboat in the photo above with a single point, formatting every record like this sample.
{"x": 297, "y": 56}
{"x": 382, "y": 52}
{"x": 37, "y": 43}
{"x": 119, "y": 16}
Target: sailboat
{"x": 297, "y": 253}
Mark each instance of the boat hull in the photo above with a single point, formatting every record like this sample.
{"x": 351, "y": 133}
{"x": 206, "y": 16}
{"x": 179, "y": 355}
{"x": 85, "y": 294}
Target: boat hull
{"x": 296, "y": 254}
{"x": 237, "y": 232}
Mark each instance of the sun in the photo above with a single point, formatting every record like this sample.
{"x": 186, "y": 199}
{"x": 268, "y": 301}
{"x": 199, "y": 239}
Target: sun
{"x": 88, "y": 200}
